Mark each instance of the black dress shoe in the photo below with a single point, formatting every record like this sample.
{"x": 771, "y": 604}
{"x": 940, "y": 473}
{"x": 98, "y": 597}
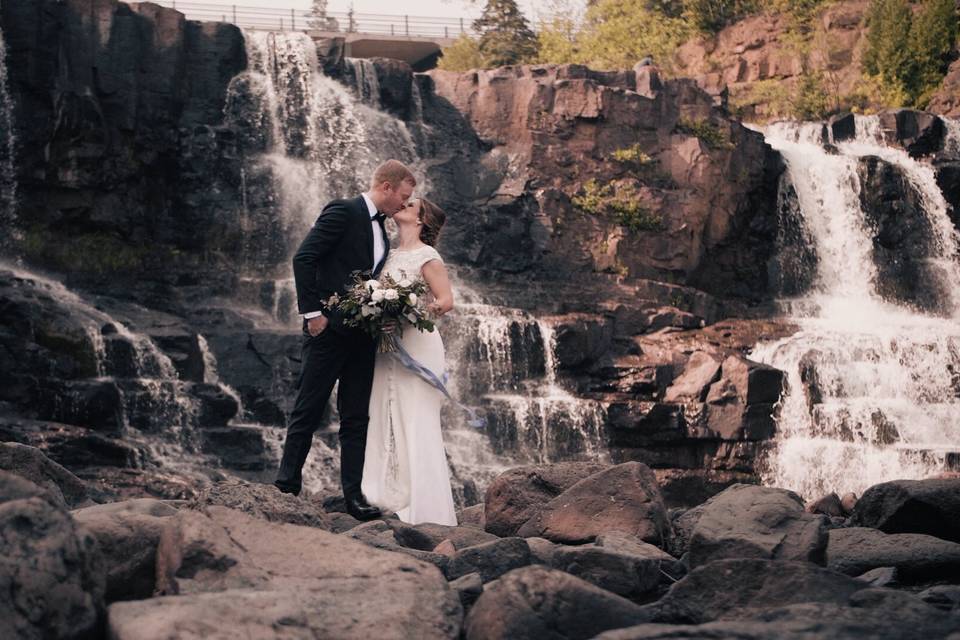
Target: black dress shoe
{"x": 359, "y": 508}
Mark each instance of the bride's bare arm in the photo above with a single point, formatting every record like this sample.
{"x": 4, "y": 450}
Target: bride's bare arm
{"x": 435, "y": 275}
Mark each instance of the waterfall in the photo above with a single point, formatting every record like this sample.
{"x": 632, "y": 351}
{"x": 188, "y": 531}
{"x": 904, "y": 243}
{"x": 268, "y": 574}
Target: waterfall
{"x": 8, "y": 145}
{"x": 873, "y": 382}
{"x": 367, "y": 83}
{"x": 314, "y": 141}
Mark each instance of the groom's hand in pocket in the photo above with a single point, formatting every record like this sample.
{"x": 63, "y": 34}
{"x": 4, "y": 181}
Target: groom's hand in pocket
{"x": 316, "y": 326}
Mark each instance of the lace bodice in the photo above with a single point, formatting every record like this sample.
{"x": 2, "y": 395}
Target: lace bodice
{"x": 409, "y": 263}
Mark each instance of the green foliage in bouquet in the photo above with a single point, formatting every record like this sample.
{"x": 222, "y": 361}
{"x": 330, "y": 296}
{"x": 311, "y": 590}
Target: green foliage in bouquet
{"x": 372, "y": 304}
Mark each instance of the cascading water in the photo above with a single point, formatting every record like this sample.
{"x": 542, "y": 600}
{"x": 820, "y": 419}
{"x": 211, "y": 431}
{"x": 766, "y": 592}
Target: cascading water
{"x": 8, "y": 179}
{"x": 874, "y": 390}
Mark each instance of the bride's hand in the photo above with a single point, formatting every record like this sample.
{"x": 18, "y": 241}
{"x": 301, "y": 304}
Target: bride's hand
{"x": 434, "y": 309}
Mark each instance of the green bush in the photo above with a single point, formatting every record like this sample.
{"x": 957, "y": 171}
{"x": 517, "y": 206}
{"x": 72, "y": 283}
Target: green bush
{"x": 463, "y": 55}
{"x": 622, "y": 205}
{"x": 714, "y": 15}
{"x": 632, "y": 155}
{"x": 709, "y": 133}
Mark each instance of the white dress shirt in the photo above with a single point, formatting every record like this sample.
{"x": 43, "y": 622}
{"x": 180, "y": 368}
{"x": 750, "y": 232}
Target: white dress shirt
{"x": 379, "y": 247}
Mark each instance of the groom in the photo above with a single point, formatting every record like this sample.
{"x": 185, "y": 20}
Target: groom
{"x": 348, "y": 236}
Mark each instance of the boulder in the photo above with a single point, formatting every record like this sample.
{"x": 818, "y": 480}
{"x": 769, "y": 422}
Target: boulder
{"x": 127, "y": 533}
{"x": 427, "y": 535}
{"x": 917, "y": 132}
{"x": 622, "y": 498}
{"x": 943, "y": 596}
{"x": 747, "y": 521}
{"x": 534, "y": 603}
{"x": 620, "y": 572}
{"x": 312, "y": 577}
{"x": 912, "y": 506}
{"x": 915, "y": 556}
{"x": 490, "y": 559}
{"x": 733, "y": 588}
{"x": 30, "y": 463}
{"x": 842, "y": 127}
{"x": 518, "y": 494}
{"x": 53, "y": 585}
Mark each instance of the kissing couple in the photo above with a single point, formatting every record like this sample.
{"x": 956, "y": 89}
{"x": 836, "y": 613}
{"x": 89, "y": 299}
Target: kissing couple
{"x": 391, "y": 448}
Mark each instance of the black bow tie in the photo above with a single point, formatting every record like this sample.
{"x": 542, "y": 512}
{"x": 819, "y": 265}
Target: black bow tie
{"x": 380, "y": 217}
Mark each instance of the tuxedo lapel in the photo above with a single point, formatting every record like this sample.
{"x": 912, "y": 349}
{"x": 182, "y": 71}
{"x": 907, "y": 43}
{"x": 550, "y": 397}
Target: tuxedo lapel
{"x": 367, "y": 231}
{"x": 386, "y": 250}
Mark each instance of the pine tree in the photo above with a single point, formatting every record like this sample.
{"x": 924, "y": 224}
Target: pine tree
{"x": 887, "y": 54}
{"x": 932, "y": 36}
{"x": 505, "y": 35}
{"x": 318, "y": 15}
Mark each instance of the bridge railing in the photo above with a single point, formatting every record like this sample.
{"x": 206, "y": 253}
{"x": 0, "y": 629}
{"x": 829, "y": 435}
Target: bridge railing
{"x": 277, "y": 19}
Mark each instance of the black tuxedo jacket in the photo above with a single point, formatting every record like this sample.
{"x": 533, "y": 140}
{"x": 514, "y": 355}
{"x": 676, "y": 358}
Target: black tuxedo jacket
{"x": 340, "y": 242}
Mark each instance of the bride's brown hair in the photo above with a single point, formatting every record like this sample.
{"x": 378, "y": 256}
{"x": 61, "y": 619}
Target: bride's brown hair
{"x": 432, "y": 218}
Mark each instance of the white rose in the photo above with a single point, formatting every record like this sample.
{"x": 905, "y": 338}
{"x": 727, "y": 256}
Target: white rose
{"x": 378, "y": 295}
{"x": 366, "y": 311}
{"x": 412, "y": 298}
{"x": 405, "y": 282}
{"x": 391, "y": 294}
{"x": 372, "y": 284}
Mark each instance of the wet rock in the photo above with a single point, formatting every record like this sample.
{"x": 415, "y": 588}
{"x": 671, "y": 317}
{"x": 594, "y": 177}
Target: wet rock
{"x": 912, "y": 506}
{"x": 917, "y": 132}
{"x": 536, "y": 602}
{"x": 127, "y": 533}
{"x": 747, "y": 521}
{"x": 237, "y": 446}
{"x": 944, "y": 596}
{"x": 216, "y": 406}
{"x": 490, "y": 559}
{"x": 903, "y": 243}
{"x": 57, "y": 588}
{"x": 31, "y": 464}
{"x": 622, "y": 498}
{"x": 916, "y": 557}
{"x": 848, "y": 502}
{"x": 842, "y": 127}
{"x": 517, "y": 494}
{"x": 472, "y": 516}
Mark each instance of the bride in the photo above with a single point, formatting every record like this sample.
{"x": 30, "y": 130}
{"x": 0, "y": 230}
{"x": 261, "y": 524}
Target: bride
{"x": 405, "y": 466}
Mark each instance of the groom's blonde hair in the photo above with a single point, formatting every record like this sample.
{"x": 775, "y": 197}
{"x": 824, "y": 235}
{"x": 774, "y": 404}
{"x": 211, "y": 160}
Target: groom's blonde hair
{"x": 394, "y": 172}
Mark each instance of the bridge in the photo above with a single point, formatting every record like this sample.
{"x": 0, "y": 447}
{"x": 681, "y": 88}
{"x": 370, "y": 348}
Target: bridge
{"x": 415, "y": 39}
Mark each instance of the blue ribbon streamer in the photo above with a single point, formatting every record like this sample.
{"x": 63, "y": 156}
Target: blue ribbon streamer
{"x": 440, "y": 384}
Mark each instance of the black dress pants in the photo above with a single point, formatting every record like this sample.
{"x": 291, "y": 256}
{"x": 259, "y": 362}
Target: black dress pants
{"x": 347, "y": 355}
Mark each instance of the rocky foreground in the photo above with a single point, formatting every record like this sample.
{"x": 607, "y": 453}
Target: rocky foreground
{"x": 568, "y": 550}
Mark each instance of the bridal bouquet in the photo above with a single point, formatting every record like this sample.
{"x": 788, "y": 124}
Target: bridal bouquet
{"x": 371, "y": 304}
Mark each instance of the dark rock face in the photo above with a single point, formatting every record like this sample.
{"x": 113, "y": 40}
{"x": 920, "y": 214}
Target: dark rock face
{"x": 30, "y": 463}
{"x": 903, "y": 237}
{"x": 565, "y": 124}
{"x": 108, "y": 96}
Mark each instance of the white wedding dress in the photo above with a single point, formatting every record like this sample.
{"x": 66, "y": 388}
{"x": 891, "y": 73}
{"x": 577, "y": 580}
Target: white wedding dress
{"x": 405, "y": 466}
